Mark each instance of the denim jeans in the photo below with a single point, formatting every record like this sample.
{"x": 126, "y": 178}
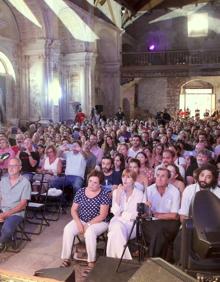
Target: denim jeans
{"x": 75, "y": 181}
{"x": 28, "y": 175}
{"x": 9, "y": 226}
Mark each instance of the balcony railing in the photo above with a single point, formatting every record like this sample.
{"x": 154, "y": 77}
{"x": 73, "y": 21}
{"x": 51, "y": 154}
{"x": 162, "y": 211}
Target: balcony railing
{"x": 188, "y": 57}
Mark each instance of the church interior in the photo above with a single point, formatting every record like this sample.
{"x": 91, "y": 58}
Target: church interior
{"x": 141, "y": 55}
{"x": 62, "y": 57}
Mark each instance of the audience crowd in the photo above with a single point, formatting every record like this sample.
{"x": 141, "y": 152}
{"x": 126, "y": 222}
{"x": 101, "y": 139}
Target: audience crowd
{"x": 111, "y": 165}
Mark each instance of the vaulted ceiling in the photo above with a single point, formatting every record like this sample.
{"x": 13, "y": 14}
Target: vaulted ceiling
{"x": 147, "y": 5}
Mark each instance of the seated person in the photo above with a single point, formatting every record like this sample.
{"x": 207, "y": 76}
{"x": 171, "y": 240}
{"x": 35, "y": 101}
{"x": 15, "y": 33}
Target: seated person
{"x": 164, "y": 200}
{"x": 75, "y": 168}
{"x": 52, "y": 165}
{"x": 124, "y": 209}
{"x": 15, "y": 191}
{"x": 6, "y": 153}
{"x": 142, "y": 179}
{"x": 89, "y": 212}
{"x": 206, "y": 179}
{"x": 111, "y": 178}
{"x": 29, "y": 158}
{"x": 168, "y": 157}
{"x": 175, "y": 178}
{"x": 203, "y": 157}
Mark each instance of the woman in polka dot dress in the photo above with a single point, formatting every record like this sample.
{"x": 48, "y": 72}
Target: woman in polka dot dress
{"x": 90, "y": 217}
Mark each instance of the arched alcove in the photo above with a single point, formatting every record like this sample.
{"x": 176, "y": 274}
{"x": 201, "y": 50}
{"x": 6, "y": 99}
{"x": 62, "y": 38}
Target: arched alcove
{"x": 198, "y": 96}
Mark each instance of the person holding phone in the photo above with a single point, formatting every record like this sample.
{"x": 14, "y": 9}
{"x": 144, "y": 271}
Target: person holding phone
{"x": 6, "y": 153}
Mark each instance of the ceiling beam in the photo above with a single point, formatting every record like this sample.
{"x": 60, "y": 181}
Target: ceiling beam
{"x": 99, "y": 2}
{"x": 150, "y": 5}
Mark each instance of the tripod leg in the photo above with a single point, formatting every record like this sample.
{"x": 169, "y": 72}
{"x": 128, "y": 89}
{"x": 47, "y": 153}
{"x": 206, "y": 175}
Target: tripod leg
{"x": 142, "y": 241}
{"x": 138, "y": 240}
{"x": 126, "y": 245}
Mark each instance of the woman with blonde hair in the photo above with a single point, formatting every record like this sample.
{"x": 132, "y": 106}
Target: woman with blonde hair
{"x": 124, "y": 209}
{"x": 52, "y": 165}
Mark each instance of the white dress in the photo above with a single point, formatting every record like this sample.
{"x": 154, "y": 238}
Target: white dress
{"x": 121, "y": 224}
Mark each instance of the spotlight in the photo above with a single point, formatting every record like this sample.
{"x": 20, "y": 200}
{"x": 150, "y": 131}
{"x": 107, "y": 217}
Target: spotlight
{"x": 151, "y": 47}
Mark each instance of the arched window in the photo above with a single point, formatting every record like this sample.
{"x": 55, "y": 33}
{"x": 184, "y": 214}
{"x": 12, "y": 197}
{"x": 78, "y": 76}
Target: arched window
{"x": 197, "y": 96}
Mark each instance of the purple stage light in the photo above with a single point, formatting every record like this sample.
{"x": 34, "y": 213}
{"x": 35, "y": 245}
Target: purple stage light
{"x": 151, "y": 47}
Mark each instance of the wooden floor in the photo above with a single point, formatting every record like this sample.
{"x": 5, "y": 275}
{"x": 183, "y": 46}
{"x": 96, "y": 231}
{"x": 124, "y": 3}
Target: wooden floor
{"x": 42, "y": 252}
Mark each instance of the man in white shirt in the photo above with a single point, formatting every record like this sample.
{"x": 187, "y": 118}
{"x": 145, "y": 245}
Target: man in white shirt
{"x": 75, "y": 168}
{"x": 164, "y": 200}
{"x": 207, "y": 178}
{"x": 15, "y": 191}
{"x": 136, "y": 146}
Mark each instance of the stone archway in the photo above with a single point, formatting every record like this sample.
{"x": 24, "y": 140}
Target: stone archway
{"x": 7, "y": 78}
{"x": 198, "y": 96}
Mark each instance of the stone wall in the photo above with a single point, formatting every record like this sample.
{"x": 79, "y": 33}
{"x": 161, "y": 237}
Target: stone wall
{"x": 86, "y": 72}
{"x": 152, "y": 94}
{"x": 155, "y": 94}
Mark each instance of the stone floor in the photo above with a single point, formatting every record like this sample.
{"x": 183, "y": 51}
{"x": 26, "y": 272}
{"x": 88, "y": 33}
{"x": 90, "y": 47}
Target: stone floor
{"x": 42, "y": 252}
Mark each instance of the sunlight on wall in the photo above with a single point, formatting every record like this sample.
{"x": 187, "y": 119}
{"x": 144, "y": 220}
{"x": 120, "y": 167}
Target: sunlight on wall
{"x": 22, "y": 7}
{"x": 8, "y": 65}
{"x": 198, "y": 25}
{"x": 76, "y": 26}
{"x": 54, "y": 91}
{"x": 180, "y": 12}
{"x": 194, "y": 99}
{"x": 2, "y": 68}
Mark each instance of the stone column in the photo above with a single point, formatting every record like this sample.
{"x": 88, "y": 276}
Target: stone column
{"x": 173, "y": 93}
{"x": 33, "y": 80}
{"x": 53, "y": 82}
{"x": 78, "y": 82}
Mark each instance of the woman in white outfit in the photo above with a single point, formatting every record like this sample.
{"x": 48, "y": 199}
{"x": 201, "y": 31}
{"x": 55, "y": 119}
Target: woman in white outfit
{"x": 89, "y": 211}
{"x": 52, "y": 165}
{"x": 124, "y": 208}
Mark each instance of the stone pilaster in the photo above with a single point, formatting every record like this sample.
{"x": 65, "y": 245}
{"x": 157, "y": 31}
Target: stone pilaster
{"x": 109, "y": 87}
{"x": 78, "y": 82}
{"x": 33, "y": 80}
{"x": 52, "y": 74}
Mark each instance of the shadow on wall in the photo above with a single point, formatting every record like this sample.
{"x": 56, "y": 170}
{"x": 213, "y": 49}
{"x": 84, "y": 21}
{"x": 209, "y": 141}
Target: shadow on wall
{"x": 126, "y": 108}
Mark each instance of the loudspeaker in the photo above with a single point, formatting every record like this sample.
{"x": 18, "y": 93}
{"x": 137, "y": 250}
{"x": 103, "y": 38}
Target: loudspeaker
{"x": 152, "y": 270}
{"x": 99, "y": 108}
{"x": 66, "y": 274}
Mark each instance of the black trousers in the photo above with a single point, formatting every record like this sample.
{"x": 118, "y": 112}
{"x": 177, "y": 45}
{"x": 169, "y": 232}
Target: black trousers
{"x": 177, "y": 247}
{"x": 158, "y": 233}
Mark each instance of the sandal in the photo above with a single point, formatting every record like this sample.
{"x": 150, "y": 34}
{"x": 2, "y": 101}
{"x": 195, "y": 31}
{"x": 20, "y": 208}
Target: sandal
{"x": 66, "y": 263}
{"x": 86, "y": 272}
{"x": 88, "y": 269}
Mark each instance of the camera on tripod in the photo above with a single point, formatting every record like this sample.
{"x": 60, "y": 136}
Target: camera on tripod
{"x": 143, "y": 209}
